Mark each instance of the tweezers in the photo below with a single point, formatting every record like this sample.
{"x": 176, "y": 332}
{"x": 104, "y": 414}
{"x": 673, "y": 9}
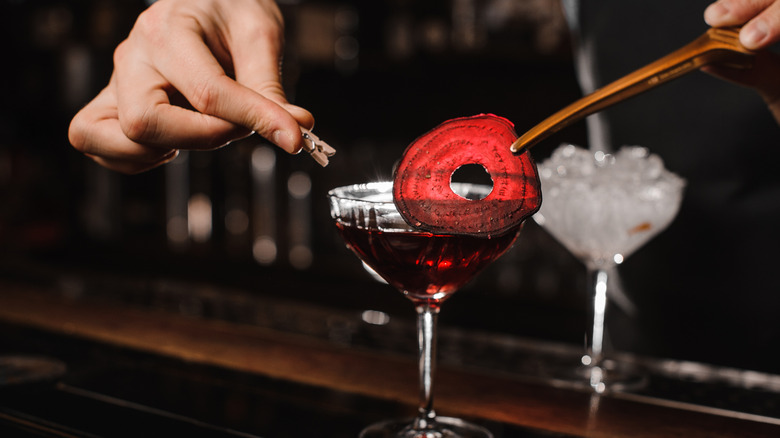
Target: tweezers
{"x": 716, "y": 46}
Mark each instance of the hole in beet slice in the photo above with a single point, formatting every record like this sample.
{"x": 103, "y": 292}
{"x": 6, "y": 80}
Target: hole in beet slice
{"x": 470, "y": 174}
{"x": 422, "y": 188}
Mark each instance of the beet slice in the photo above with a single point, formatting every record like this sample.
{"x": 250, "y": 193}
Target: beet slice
{"x": 421, "y": 182}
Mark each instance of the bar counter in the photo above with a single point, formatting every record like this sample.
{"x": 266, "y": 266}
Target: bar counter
{"x": 339, "y": 388}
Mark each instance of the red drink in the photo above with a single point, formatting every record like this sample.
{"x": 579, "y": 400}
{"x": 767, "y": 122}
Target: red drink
{"x": 425, "y": 266}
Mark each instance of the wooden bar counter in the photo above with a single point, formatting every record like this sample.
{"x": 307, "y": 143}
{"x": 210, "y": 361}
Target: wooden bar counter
{"x": 391, "y": 378}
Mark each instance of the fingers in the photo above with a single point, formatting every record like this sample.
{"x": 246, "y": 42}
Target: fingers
{"x": 147, "y": 116}
{"x": 303, "y": 116}
{"x": 241, "y": 105}
{"x": 97, "y": 132}
{"x": 734, "y": 12}
{"x": 256, "y": 52}
{"x": 193, "y": 71}
{"x": 761, "y": 20}
{"x": 170, "y": 89}
{"x": 101, "y": 139}
{"x": 258, "y": 70}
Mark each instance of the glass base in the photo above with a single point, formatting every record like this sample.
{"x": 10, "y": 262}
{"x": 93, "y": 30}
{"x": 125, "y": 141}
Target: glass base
{"x": 18, "y": 369}
{"x": 610, "y": 376}
{"x": 445, "y": 427}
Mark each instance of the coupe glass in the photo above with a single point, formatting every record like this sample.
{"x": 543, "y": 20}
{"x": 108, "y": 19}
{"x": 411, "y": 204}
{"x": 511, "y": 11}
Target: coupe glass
{"x": 602, "y": 208}
{"x": 425, "y": 267}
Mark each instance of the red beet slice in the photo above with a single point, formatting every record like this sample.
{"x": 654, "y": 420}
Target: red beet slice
{"x": 421, "y": 184}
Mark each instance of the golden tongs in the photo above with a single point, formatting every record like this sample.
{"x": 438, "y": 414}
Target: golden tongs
{"x": 716, "y": 46}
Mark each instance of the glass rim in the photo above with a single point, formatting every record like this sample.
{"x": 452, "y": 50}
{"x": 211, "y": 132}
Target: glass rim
{"x": 341, "y": 192}
{"x": 349, "y": 191}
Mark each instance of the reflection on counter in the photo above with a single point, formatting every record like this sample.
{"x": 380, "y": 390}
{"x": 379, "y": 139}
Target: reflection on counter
{"x": 681, "y": 385}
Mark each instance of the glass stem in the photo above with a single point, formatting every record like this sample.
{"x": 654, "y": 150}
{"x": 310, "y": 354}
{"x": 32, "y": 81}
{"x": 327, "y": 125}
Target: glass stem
{"x": 596, "y": 350}
{"x": 427, "y": 316}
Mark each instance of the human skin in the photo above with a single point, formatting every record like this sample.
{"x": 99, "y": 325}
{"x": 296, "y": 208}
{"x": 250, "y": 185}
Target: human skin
{"x": 191, "y": 75}
{"x": 760, "y": 21}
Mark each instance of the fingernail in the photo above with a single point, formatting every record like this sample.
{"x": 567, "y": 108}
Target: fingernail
{"x": 751, "y": 36}
{"x": 284, "y": 140}
{"x": 715, "y": 13}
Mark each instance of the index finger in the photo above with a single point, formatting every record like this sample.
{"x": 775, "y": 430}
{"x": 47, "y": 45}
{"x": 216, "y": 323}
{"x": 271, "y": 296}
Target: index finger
{"x": 203, "y": 82}
{"x": 257, "y": 61}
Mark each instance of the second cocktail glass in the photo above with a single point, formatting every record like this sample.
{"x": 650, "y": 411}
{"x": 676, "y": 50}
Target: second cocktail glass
{"x": 602, "y": 208}
{"x": 427, "y": 268}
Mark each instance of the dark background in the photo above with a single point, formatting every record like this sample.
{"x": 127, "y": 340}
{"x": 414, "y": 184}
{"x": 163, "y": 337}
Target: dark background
{"x": 375, "y": 75}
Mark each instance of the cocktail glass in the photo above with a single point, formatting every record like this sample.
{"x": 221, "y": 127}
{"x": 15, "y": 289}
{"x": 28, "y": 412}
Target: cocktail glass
{"x": 427, "y": 268}
{"x": 602, "y": 208}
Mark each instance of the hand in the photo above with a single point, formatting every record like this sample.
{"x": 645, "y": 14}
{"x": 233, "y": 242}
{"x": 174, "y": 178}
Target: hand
{"x": 760, "y": 21}
{"x": 192, "y": 74}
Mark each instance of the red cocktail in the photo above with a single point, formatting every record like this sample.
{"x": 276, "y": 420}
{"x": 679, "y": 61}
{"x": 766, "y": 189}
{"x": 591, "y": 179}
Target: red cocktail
{"x": 428, "y": 268}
